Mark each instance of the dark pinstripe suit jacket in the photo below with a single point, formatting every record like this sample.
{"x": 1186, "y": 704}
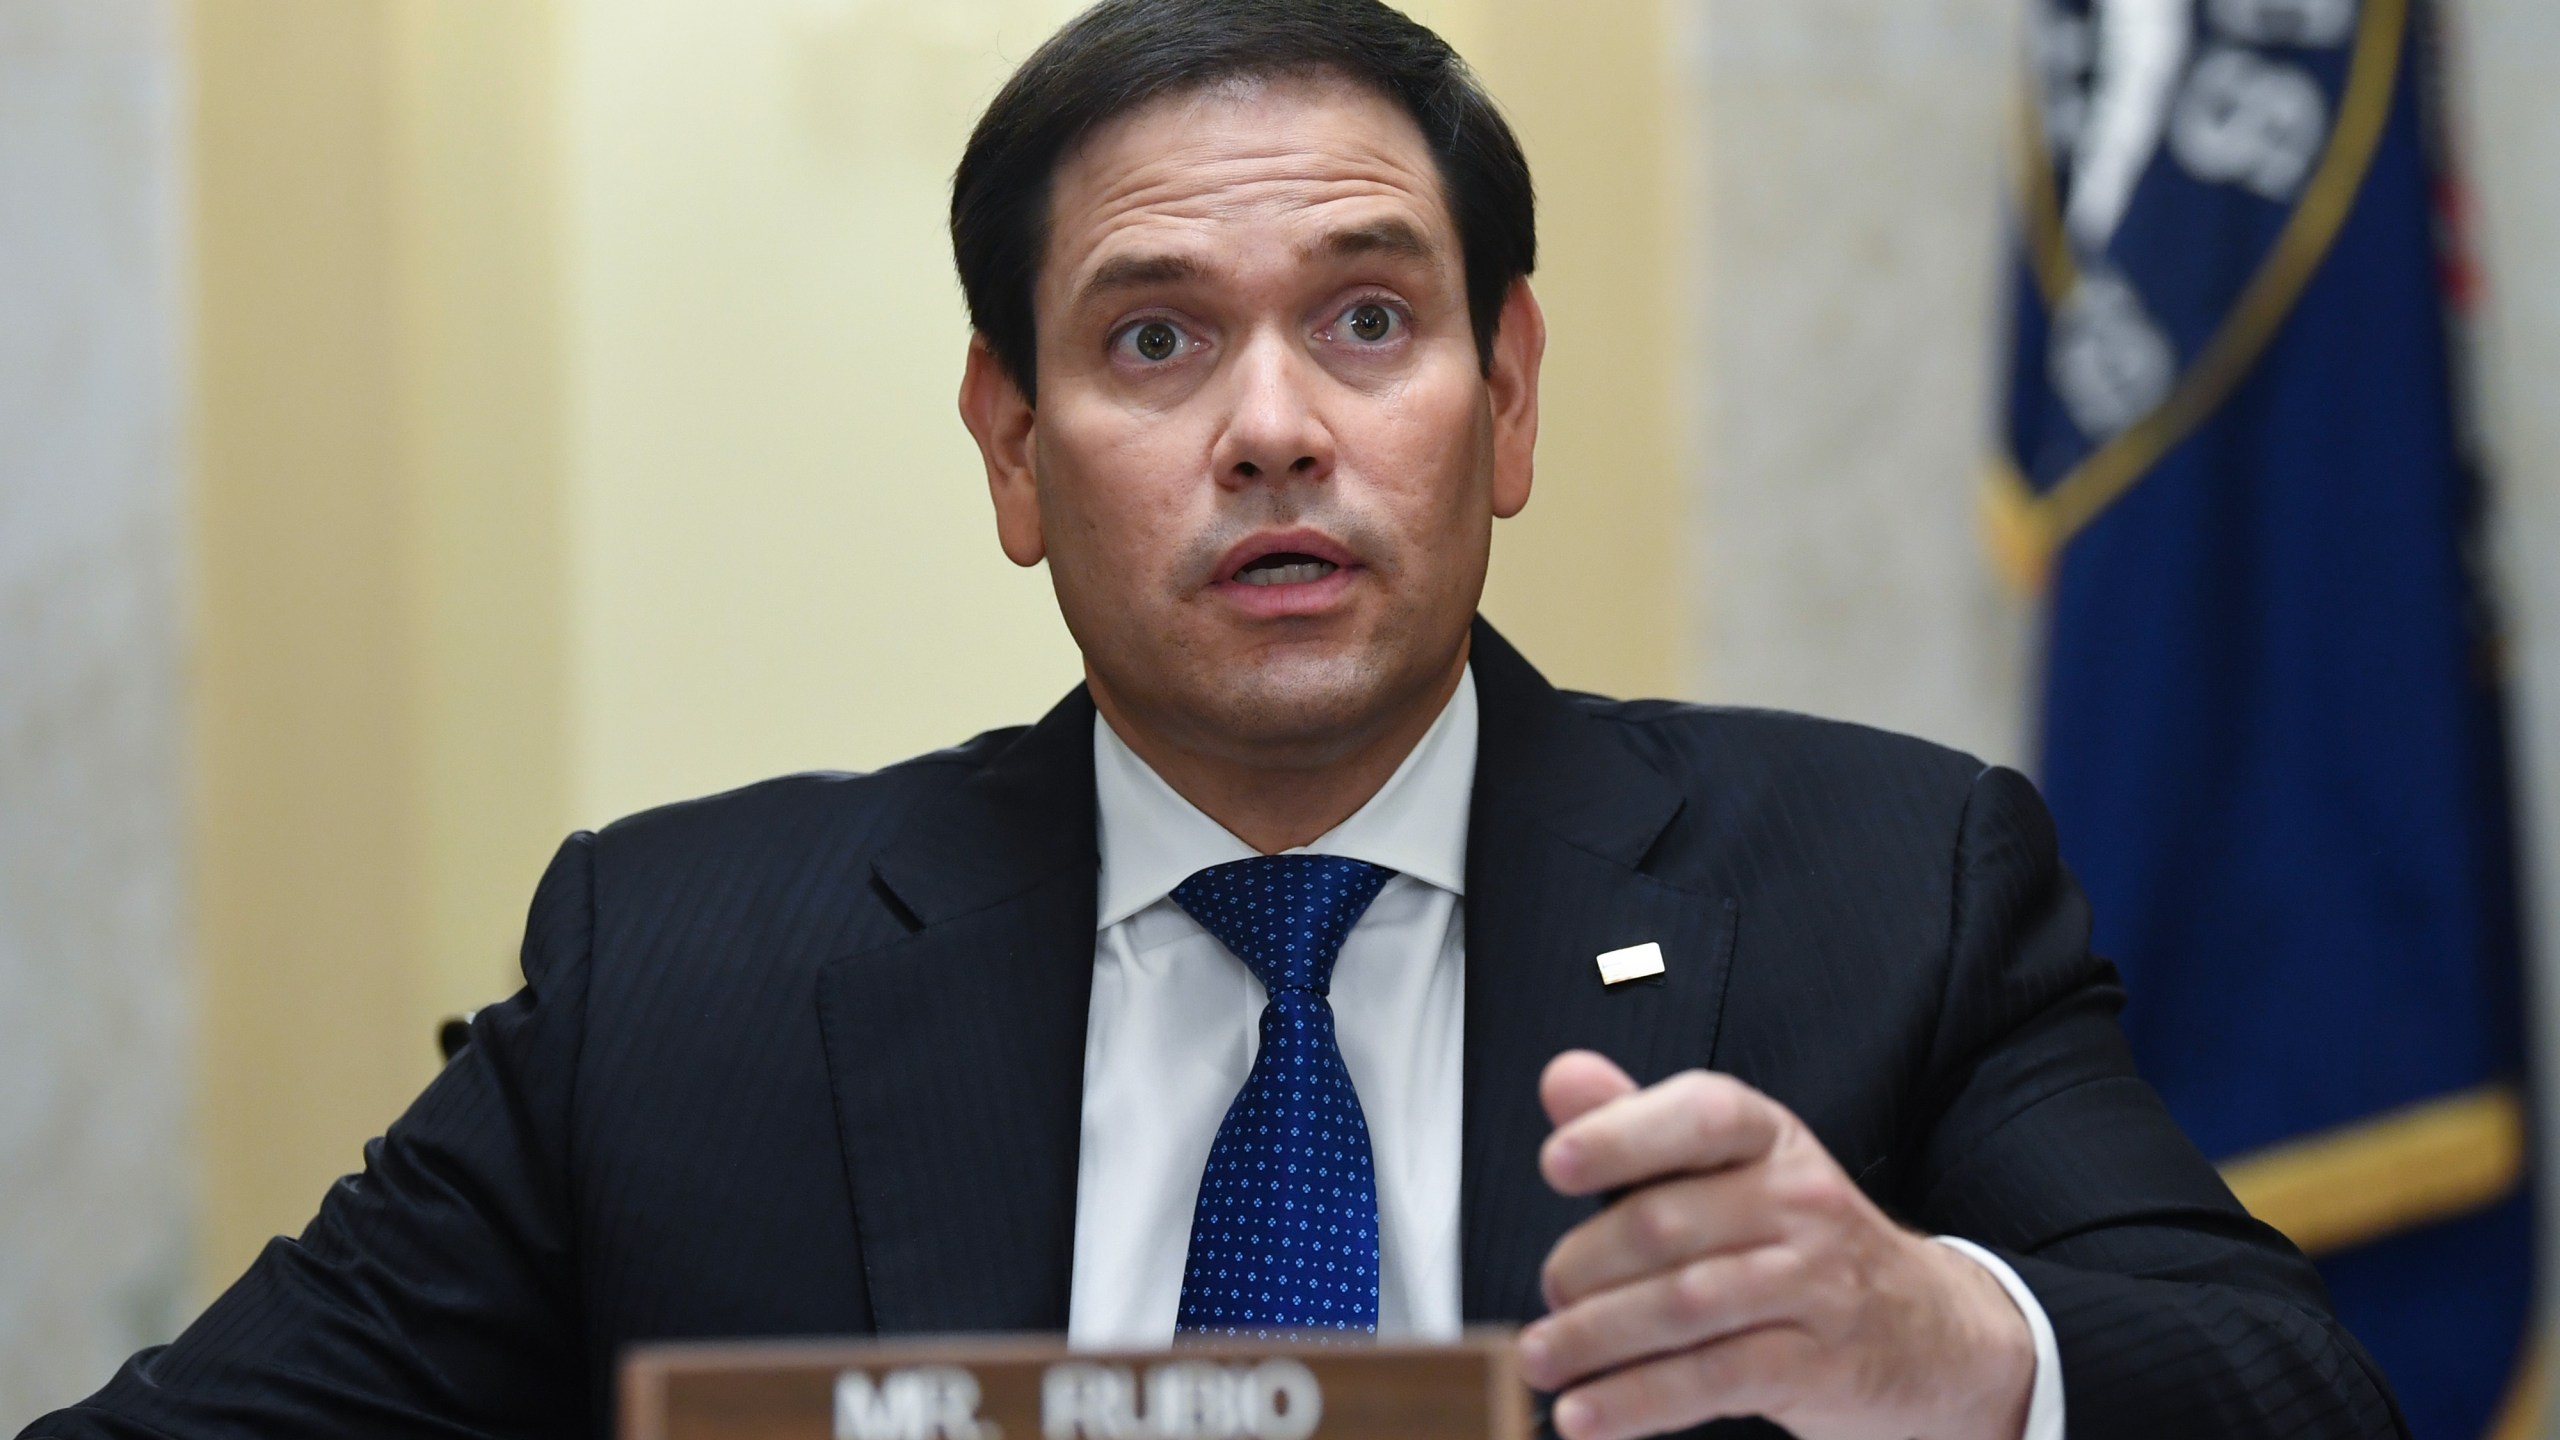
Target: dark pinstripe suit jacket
{"x": 806, "y": 1059}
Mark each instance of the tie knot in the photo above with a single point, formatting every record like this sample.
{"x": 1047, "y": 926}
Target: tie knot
{"x": 1284, "y": 916}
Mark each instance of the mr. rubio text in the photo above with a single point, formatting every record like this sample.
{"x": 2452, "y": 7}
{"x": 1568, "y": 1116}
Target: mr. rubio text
{"x": 1177, "y": 1400}
{"x": 1180, "y": 1400}
{"x": 922, "y": 1402}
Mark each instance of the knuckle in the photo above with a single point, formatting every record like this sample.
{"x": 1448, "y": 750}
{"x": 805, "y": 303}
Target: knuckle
{"x": 1810, "y": 1190}
{"x": 1705, "y": 1118}
{"x": 1722, "y": 1112}
{"x": 1695, "y": 1291}
{"x": 1779, "y": 1270}
{"x": 1691, "y": 1087}
{"x": 1659, "y": 1225}
{"x": 1720, "y": 1098}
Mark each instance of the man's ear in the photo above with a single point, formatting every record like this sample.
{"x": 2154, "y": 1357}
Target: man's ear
{"x": 1000, "y": 420}
{"x": 1519, "y": 348}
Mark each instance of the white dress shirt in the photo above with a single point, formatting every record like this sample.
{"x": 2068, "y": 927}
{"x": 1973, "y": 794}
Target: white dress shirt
{"x": 1175, "y": 1023}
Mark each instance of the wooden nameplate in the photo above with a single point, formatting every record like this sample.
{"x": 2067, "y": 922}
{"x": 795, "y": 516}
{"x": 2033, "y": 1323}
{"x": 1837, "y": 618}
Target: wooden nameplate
{"x": 1037, "y": 1389}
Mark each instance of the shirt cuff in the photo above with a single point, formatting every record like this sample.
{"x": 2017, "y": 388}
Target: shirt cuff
{"x": 2044, "y": 1405}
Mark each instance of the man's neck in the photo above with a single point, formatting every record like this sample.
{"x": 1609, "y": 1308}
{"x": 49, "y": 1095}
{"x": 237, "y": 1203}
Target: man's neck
{"x": 1277, "y": 806}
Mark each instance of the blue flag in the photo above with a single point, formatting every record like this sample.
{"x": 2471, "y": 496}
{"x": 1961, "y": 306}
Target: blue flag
{"x": 2271, "y": 716}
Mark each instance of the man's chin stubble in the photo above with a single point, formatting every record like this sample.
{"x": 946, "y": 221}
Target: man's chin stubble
{"x": 1301, "y": 711}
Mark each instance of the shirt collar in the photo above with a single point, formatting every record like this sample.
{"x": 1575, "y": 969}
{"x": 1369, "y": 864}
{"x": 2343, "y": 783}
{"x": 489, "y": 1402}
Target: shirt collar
{"x": 1152, "y": 839}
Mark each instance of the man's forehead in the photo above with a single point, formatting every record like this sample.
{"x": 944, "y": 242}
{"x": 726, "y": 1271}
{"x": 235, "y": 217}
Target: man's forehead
{"x": 1322, "y": 167}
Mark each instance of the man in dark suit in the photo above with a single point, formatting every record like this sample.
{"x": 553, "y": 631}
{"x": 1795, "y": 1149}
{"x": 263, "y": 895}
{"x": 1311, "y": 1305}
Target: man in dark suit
{"x": 1758, "y": 1065}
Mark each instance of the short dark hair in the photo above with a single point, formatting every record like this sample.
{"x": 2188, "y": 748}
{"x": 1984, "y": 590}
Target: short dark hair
{"x": 1123, "y": 54}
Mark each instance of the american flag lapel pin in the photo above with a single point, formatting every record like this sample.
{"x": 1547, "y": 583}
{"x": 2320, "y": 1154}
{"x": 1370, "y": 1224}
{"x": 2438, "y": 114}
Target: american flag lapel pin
{"x": 1636, "y": 962}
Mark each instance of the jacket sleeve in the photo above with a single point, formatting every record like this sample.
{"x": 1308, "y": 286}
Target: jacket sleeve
{"x": 433, "y": 1295}
{"x": 2174, "y": 1311}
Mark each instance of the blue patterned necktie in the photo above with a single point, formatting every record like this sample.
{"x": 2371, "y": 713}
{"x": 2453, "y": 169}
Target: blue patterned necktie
{"x": 1285, "y": 1236}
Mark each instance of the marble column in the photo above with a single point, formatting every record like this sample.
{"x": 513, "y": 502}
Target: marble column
{"x": 1851, "y": 162}
{"x": 95, "y": 1194}
{"x": 2501, "y": 54}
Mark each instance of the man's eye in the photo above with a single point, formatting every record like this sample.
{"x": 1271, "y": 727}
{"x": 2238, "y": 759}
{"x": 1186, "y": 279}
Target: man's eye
{"x": 1154, "y": 342}
{"x": 1369, "y": 323}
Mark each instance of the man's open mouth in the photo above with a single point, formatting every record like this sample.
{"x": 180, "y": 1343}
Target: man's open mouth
{"x": 1285, "y": 568}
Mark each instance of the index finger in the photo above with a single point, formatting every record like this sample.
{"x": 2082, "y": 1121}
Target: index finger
{"x": 1694, "y": 1122}
{"x": 1578, "y": 1082}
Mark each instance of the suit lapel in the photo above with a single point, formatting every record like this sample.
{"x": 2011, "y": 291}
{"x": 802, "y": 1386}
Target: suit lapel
{"x": 1564, "y": 816}
{"x": 957, "y": 1053}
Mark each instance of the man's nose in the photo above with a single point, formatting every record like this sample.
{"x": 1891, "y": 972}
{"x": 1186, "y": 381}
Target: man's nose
{"x": 1274, "y": 430}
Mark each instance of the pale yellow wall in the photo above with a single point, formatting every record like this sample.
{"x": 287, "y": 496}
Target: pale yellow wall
{"x": 483, "y": 395}
{"x": 1463, "y": 23}
{"x": 378, "y": 729}
{"x": 308, "y": 834}
{"x": 576, "y": 434}
{"x": 1591, "y": 580}
{"x": 781, "y": 551}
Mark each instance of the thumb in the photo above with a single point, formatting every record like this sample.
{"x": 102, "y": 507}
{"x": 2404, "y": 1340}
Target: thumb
{"x": 1578, "y": 1082}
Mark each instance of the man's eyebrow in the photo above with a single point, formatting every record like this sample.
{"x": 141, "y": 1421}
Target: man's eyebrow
{"x": 1137, "y": 272}
{"x": 1386, "y": 237}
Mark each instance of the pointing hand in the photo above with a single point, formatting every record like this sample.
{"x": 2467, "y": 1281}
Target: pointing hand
{"x": 1743, "y": 1273}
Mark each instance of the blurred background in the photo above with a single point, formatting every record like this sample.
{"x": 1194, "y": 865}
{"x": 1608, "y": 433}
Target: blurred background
{"x": 431, "y": 426}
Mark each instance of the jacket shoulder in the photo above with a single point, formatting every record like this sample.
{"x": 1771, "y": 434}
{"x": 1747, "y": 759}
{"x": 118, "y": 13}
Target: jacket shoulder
{"x": 1719, "y": 743}
{"x": 1771, "y": 791}
{"x": 735, "y": 858}
{"x": 791, "y": 804}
